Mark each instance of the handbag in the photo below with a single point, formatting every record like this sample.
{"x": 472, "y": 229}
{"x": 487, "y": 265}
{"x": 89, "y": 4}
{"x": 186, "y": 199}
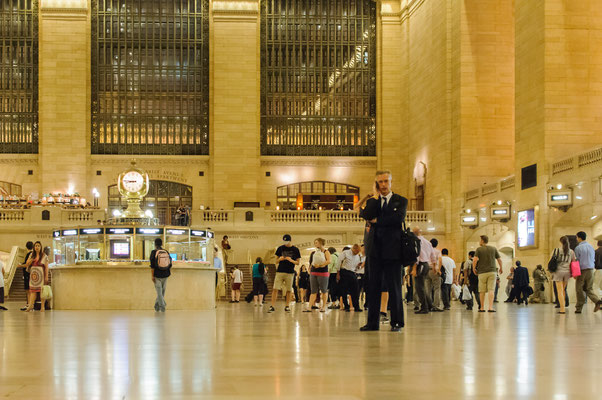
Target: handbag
{"x": 575, "y": 269}
{"x": 553, "y": 263}
{"x": 466, "y": 295}
{"x": 46, "y": 292}
{"x": 457, "y": 291}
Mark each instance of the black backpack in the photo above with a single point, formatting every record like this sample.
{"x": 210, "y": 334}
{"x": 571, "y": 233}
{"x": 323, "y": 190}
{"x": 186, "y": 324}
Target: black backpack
{"x": 410, "y": 247}
{"x": 443, "y": 273}
{"x": 553, "y": 263}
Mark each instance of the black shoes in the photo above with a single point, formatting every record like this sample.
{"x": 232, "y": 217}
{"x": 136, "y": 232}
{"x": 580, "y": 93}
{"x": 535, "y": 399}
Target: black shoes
{"x": 421, "y": 312}
{"x": 347, "y": 310}
{"x": 271, "y": 309}
{"x": 396, "y": 328}
{"x": 598, "y": 305}
{"x": 333, "y": 307}
{"x": 3, "y": 308}
{"x": 358, "y": 310}
{"x": 577, "y": 311}
{"x": 366, "y": 328}
{"x": 287, "y": 309}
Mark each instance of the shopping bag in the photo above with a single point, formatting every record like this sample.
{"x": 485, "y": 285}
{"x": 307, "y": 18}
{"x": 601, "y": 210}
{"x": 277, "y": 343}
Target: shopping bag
{"x": 575, "y": 269}
{"x": 466, "y": 295}
{"x": 457, "y": 290}
{"x": 46, "y": 292}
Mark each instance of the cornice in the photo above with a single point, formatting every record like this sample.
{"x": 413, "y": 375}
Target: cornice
{"x": 98, "y": 160}
{"x": 268, "y": 161}
{"x": 235, "y": 10}
{"x": 11, "y": 159}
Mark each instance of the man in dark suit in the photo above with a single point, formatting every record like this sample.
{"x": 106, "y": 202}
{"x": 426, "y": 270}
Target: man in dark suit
{"x": 386, "y": 212}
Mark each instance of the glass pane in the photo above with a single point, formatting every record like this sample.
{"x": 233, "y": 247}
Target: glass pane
{"x": 18, "y": 76}
{"x": 318, "y": 78}
{"x": 150, "y": 77}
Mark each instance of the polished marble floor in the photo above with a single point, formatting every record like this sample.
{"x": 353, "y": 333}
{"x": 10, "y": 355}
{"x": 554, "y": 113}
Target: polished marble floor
{"x": 239, "y": 351}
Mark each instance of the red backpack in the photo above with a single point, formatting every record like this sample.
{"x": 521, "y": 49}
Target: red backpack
{"x": 163, "y": 259}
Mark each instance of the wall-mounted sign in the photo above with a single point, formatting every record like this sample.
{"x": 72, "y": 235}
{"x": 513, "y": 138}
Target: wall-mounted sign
{"x": 177, "y": 232}
{"x": 120, "y": 231}
{"x": 500, "y": 212}
{"x": 92, "y": 231}
{"x": 560, "y": 198}
{"x": 469, "y": 220}
{"x": 526, "y": 229}
{"x": 149, "y": 231}
{"x": 69, "y": 232}
{"x": 56, "y": 234}
{"x": 198, "y": 233}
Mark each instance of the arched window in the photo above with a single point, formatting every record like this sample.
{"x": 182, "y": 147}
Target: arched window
{"x": 316, "y": 195}
{"x": 163, "y": 200}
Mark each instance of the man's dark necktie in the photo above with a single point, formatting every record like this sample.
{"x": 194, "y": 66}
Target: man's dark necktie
{"x": 382, "y": 209}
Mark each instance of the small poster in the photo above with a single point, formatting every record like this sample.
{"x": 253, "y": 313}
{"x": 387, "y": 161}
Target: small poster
{"x": 526, "y": 228}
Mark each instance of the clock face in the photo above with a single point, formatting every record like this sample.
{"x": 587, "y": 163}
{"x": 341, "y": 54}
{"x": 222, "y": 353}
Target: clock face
{"x": 133, "y": 181}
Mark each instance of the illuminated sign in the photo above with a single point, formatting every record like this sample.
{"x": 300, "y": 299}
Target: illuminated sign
{"x": 92, "y": 231}
{"x": 149, "y": 231}
{"x": 526, "y": 229}
{"x": 469, "y": 220}
{"x": 56, "y": 233}
{"x": 560, "y": 197}
{"x": 199, "y": 233}
{"x": 70, "y": 232}
{"x": 177, "y": 231}
{"x": 500, "y": 212}
{"x": 120, "y": 231}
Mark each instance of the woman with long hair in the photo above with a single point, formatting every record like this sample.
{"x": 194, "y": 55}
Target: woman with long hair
{"x": 319, "y": 275}
{"x": 38, "y": 275}
{"x": 562, "y": 274}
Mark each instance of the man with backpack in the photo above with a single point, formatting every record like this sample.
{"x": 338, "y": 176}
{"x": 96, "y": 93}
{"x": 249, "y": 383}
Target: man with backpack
{"x": 160, "y": 263}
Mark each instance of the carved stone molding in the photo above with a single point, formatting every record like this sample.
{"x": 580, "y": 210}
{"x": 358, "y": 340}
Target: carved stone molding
{"x": 18, "y": 159}
{"x": 319, "y": 162}
{"x": 232, "y": 10}
{"x": 150, "y": 160}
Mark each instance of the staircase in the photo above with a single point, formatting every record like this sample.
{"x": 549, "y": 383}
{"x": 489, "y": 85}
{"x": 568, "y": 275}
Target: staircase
{"x": 17, "y": 293}
{"x": 247, "y": 280}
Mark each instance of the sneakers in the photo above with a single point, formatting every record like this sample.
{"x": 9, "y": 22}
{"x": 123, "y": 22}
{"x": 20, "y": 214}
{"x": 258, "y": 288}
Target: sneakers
{"x": 271, "y": 309}
{"x": 287, "y": 309}
{"x": 384, "y": 319}
{"x": 333, "y": 307}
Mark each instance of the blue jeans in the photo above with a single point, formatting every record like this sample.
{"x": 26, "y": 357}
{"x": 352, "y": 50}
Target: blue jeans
{"x": 160, "y": 285}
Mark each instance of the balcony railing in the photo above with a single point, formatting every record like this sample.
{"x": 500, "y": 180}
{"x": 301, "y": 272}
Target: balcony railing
{"x": 239, "y": 218}
{"x": 581, "y": 161}
{"x": 50, "y": 216}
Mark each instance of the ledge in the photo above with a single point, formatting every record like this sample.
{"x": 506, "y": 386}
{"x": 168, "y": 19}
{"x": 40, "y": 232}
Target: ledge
{"x": 319, "y": 161}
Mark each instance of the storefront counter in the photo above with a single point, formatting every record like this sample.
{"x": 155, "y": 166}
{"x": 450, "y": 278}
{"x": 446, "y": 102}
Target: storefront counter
{"x": 128, "y": 286}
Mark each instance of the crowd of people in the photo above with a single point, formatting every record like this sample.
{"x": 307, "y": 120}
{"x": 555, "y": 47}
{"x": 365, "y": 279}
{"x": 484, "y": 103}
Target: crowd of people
{"x": 369, "y": 276}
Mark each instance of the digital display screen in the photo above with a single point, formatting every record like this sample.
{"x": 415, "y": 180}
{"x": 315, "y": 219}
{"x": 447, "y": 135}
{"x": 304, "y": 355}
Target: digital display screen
{"x": 120, "y": 231}
{"x": 469, "y": 219}
{"x": 198, "y": 233}
{"x": 173, "y": 256}
{"x": 177, "y": 232}
{"x": 500, "y": 212}
{"x": 70, "y": 232}
{"x": 560, "y": 197}
{"x": 149, "y": 231}
{"x": 526, "y": 228}
{"x": 91, "y": 231}
{"x": 120, "y": 249}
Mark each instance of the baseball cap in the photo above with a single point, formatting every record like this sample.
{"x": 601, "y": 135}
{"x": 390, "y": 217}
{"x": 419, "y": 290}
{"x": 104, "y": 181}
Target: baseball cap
{"x": 286, "y": 238}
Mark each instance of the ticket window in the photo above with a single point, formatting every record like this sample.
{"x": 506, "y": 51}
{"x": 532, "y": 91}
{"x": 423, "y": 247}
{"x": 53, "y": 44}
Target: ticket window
{"x": 119, "y": 244}
{"x": 201, "y": 248}
{"x": 91, "y": 244}
{"x": 145, "y": 241}
{"x": 70, "y": 246}
{"x": 177, "y": 243}
{"x": 58, "y": 246}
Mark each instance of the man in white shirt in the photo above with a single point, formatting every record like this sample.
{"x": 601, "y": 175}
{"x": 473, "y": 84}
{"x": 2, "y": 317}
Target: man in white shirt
{"x": 347, "y": 266}
{"x": 420, "y": 271}
{"x": 450, "y": 277}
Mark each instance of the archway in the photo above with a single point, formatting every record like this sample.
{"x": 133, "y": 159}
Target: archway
{"x": 163, "y": 200}
{"x": 316, "y": 195}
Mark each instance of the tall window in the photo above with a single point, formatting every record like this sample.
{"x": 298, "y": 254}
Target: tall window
{"x": 150, "y": 77}
{"x": 318, "y": 72}
{"x": 18, "y": 76}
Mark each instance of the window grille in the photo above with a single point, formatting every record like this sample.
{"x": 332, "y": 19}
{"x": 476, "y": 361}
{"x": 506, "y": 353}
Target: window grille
{"x": 318, "y": 77}
{"x": 19, "y": 76}
{"x": 150, "y": 77}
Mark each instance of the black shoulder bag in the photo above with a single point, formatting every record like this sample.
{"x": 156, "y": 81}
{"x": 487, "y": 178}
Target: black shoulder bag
{"x": 410, "y": 246}
{"x": 553, "y": 263}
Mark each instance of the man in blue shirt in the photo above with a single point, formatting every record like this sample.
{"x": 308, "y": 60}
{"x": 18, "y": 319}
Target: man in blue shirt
{"x": 585, "y": 282}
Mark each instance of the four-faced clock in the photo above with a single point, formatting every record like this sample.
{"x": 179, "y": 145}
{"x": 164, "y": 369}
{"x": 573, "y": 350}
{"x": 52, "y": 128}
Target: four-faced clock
{"x": 133, "y": 181}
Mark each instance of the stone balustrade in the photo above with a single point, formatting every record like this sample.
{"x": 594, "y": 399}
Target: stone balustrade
{"x": 49, "y": 216}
